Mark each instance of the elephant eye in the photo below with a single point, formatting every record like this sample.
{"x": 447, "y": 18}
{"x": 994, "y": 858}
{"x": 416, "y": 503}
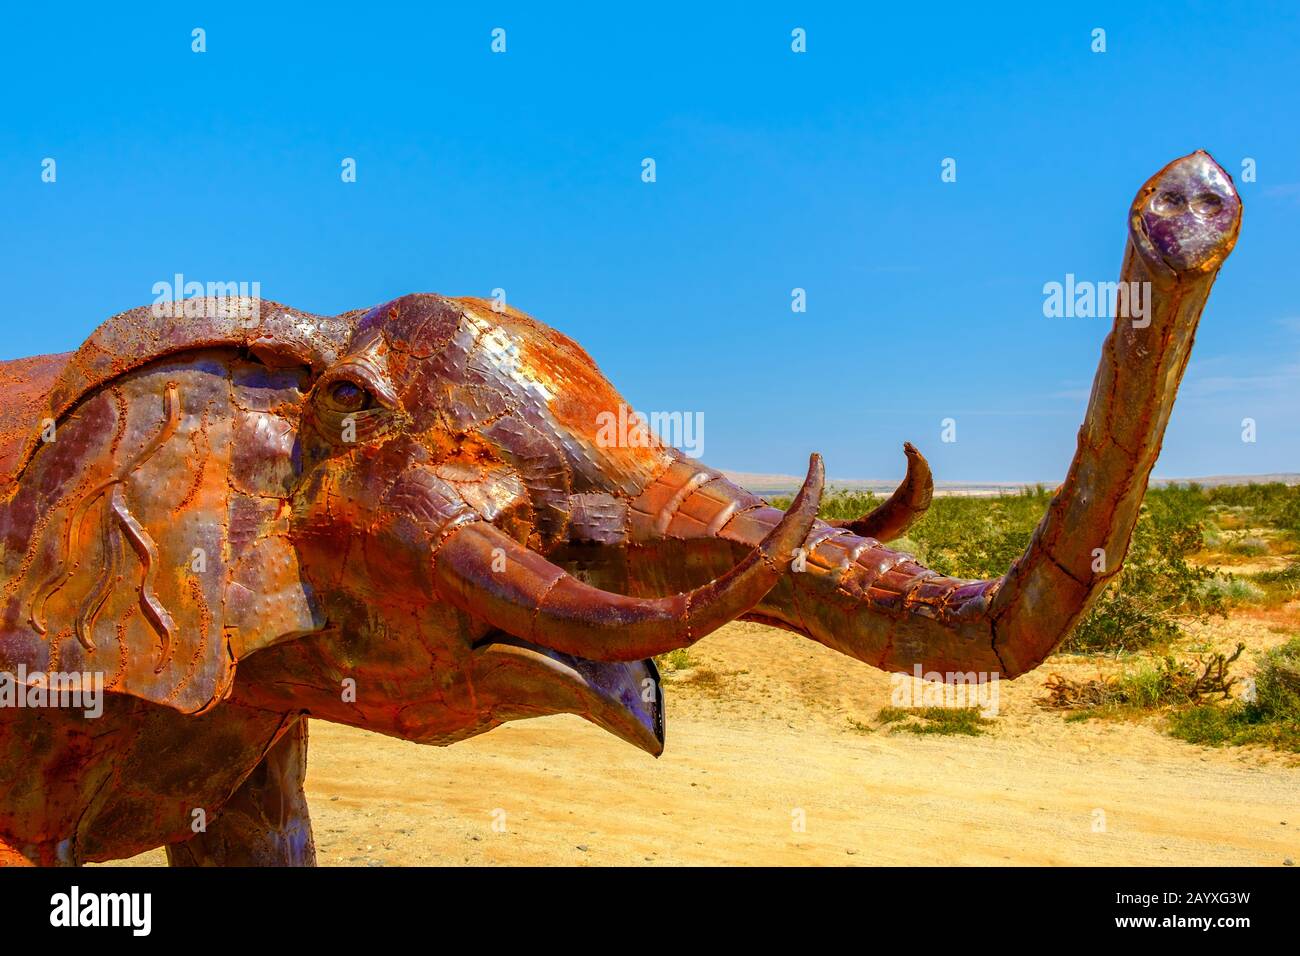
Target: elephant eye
{"x": 349, "y": 396}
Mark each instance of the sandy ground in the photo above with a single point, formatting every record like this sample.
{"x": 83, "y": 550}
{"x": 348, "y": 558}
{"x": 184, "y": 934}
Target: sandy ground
{"x": 765, "y": 765}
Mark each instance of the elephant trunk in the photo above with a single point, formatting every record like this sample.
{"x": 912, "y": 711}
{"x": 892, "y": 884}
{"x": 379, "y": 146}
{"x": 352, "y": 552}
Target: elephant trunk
{"x": 879, "y": 606}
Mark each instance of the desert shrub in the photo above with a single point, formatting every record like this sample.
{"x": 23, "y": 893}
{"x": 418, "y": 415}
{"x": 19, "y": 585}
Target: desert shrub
{"x": 1271, "y": 504}
{"x": 1228, "y": 726}
{"x": 676, "y": 660}
{"x": 1288, "y": 516}
{"x": 970, "y": 537}
{"x": 1179, "y": 505}
{"x": 1269, "y": 716}
{"x": 1230, "y": 590}
{"x": 1251, "y": 547}
{"x": 944, "y": 721}
{"x": 842, "y": 505}
{"x": 1277, "y": 683}
{"x": 1285, "y": 582}
{"x": 1161, "y": 683}
{"x": 1157, "y": 588}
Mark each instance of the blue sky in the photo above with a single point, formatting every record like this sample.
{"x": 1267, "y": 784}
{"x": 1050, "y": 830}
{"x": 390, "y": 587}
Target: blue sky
{"x": 775, "y": 170}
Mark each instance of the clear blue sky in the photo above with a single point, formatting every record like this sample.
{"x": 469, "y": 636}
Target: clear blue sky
{"x": 775, "y": 170}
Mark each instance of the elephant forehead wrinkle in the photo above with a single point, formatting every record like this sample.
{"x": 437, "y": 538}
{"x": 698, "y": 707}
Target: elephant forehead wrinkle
{"x": 542, "y": 466}
{"x": 473, "y": 406}
{"x": 490, "y": 491}
{"x": 515, "y": 369}
{"x": 461, "y": 471}
{"x": 596, "y": 469}
{"x": 534, "y": 451}
{"x": 454, "y": 359}
{"x": 419, "y": 325}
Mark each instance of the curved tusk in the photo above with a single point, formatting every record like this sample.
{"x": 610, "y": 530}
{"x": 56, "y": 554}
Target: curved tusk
{"x": 537, "y": 601}
{"x": 903, "y": 508}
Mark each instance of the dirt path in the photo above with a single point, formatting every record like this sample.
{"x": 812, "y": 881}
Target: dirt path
{"x": 760, "y": 740}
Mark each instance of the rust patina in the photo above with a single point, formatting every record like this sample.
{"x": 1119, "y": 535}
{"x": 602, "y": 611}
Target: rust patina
{"x": 405, "y": 519}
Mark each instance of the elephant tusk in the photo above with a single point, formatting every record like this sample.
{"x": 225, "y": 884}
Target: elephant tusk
{"x": 488, "y": 574}
{"x": 903, "y": 508}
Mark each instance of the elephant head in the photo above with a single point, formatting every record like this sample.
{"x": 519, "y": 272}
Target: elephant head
{"x": 411, "y": 519}
{"x": 352, "y": 515}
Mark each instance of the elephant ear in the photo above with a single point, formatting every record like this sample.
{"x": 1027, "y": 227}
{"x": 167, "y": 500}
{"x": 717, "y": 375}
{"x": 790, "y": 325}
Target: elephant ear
{"x": 143, "y": 532}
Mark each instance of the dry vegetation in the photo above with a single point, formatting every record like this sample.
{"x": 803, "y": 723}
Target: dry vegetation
{"x": 1160, "y": 633}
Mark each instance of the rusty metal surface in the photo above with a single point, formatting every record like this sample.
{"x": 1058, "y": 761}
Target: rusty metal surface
{"x": 903, "y": 508}
{"x": 408, "y": 519}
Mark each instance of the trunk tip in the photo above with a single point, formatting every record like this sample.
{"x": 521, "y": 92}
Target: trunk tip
{"x": 1188, "y": 215}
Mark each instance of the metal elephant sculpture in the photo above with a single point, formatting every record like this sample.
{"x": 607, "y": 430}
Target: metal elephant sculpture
{"x": 404, "y": 519}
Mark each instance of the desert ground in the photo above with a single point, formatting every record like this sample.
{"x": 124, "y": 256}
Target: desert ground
{"x": 775, "y": 756}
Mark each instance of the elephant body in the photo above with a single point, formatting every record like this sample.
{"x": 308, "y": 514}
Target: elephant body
{"x": 413, "y": 519}
{"x": 81, "y": 790}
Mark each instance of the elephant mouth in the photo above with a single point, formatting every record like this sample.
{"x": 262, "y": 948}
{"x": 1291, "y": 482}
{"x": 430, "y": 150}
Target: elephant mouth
{"x": 523, "y": 679}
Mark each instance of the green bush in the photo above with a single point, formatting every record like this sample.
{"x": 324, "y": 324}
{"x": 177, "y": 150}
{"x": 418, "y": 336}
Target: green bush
{"x": 1284, "y": 582}
{"x": 943, "y": 721}
{"x": 1273, "y": 504}
{"x": 1251, "y": 547}
{"x": 1157, "y": 588}
{"x": 841, "y": 505}
{"x": 1231, "y": 590}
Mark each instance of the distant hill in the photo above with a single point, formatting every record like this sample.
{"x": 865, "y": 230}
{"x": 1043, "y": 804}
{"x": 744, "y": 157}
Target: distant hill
{"x": 770, "y": 485}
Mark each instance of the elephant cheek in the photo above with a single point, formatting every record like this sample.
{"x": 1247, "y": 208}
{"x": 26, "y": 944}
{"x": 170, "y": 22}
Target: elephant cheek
{"x": 398, "y": 559}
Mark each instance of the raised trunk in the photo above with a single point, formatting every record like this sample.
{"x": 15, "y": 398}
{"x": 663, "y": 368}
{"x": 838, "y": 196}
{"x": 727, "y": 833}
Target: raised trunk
{"x": 882, "y": 607}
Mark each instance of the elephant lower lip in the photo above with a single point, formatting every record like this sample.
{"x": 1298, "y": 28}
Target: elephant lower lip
{"x": 625, "y": 698}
